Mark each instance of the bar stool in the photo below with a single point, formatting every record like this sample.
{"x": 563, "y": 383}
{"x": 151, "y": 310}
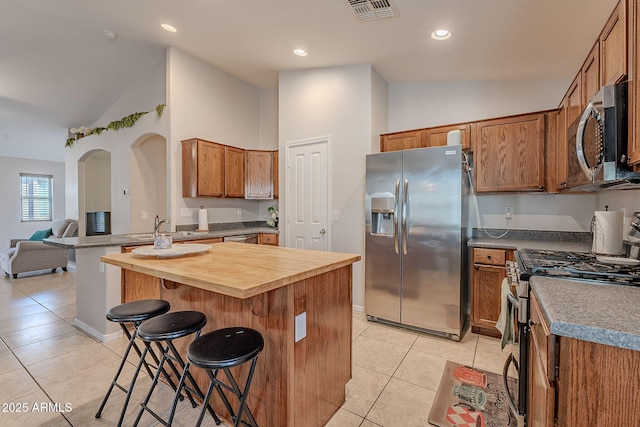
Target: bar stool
{"x": 135, "y": 313}
{"x": 164, "y": 329}
{"x": 224, "y": 349}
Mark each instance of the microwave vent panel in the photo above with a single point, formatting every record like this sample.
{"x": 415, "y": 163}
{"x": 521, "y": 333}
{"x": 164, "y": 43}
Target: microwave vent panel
{"x": 366, "y": 10}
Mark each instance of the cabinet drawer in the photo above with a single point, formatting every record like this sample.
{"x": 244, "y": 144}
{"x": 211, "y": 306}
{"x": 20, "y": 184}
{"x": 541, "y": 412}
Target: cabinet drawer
{"x": 489, "y": 256}
{"x": 542, "y": 338}
{"x": 268, "y": 239}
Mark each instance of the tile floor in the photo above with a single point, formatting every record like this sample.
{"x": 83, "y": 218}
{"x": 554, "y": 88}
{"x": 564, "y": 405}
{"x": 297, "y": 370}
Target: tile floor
{"x": 45, "y": 361}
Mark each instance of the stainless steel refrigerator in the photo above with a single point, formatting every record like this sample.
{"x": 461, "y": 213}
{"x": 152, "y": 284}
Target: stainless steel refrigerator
{"x": 417, "y": 227}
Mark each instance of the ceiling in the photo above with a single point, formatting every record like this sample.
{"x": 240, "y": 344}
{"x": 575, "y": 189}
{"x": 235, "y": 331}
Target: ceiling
{"x": 58, "y": 70}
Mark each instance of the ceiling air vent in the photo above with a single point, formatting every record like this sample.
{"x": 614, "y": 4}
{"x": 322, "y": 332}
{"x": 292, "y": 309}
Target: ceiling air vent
{"x": 372, "y": 9}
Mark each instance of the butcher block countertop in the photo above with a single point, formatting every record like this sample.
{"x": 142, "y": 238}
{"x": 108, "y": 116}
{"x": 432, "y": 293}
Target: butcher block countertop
{"x": 238, "y": 270}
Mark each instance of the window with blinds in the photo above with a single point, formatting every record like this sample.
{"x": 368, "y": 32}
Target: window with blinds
{"x": 36, "y": 197}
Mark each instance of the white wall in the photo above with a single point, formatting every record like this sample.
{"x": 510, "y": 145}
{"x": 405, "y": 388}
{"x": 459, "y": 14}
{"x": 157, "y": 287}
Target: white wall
{"x": 337, "y": 102}
{"x": 10, "y": 168}
{"x": 97, "y": 175}
{"x": 210, "y": 104}
{"x": 148, "y": 183}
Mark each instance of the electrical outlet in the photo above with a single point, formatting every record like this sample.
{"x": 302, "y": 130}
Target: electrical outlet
{"x": 143, "y": 215}
{"x": 508, "y": 212}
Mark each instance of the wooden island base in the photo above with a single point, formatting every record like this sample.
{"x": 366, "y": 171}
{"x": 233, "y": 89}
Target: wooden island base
{"x": 295, "y": 383}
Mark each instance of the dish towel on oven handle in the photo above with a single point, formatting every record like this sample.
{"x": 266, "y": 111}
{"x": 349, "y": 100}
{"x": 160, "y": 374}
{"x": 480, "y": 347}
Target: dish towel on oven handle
{"x": 505, "y": 322}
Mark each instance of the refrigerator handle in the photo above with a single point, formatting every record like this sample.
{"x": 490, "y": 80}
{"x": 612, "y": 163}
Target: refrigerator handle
{"x": 404, "y": 216}
{"x": 395, "y": 217}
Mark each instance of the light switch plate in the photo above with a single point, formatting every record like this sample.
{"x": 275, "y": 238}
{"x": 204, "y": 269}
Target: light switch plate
{"x": 301, "y": 326}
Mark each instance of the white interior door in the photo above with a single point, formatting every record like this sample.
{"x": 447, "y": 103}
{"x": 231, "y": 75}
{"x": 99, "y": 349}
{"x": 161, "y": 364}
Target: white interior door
{"x": 307, "y": 184}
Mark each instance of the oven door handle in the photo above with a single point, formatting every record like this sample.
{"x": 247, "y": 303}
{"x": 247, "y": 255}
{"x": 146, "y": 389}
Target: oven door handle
{"x": 513, "y": 300}
{"x": 512, "y": 405}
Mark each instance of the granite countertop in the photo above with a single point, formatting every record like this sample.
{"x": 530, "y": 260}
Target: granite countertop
{"x": 127, "y": 240}
{"x": 236, "y": 269}
{"x": 531, "y": 239}
{"x": 600, "y": 313}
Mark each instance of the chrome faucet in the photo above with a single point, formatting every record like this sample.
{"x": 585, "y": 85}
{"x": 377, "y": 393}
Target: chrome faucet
{"x": 157, "y": 223}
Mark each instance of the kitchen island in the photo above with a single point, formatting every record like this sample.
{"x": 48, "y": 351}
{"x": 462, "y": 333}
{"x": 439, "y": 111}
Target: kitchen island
{"x": 299, "y": 300}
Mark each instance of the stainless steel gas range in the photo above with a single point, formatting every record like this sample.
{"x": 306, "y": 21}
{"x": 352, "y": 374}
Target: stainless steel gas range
{"x": 562, "y": 265}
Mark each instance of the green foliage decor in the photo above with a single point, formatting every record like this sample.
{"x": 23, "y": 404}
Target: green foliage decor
{"x": 125, "y": 122}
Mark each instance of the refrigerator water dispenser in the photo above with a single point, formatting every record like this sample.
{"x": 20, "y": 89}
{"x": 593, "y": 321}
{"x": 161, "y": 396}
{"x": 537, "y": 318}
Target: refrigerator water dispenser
{"x": 382, "y": 214}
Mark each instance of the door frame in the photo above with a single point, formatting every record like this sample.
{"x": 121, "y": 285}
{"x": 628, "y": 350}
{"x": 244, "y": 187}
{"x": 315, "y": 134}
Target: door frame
{"x": 287, "y": 200}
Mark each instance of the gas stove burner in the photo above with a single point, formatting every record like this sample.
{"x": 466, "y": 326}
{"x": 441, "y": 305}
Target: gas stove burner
{"x": 576, "y": 265}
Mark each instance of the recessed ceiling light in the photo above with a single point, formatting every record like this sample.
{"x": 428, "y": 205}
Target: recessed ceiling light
{"x": 300, "y": 52}
{"x": 441, "y": 34}
{"x": 110, "y": 34}
{"x": 169, "y": 28}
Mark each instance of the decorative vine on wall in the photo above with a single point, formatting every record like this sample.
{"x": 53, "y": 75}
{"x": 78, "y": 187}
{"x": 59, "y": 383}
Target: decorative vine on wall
{"x": 125, "y": 122}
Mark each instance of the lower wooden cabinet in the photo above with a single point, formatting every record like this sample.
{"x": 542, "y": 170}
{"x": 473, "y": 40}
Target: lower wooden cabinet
{"x": 579, "y": 383}
{"x": 486, "y": 280}
{"x": 268, "y": 239}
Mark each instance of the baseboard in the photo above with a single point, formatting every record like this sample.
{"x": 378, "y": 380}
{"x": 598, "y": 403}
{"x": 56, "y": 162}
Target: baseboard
{"x": 102, "y": 337}
{"x": 357, "y": 308}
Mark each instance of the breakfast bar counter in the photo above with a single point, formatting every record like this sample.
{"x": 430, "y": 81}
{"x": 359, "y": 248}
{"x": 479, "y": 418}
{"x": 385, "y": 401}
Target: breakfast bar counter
{"x": 299, "y": 300}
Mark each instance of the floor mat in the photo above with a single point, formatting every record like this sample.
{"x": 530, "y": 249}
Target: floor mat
{"x": 469, "y": 397}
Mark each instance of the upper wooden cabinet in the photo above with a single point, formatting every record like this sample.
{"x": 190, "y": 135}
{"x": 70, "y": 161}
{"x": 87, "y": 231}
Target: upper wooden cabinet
{"x": 437, "y": 136}
{"x": 509, "y": 153}
{"x": 202, "y": 168}
{"x": 634, "y": 83}
{"x": 590, "y": 75}
{"x": 210, "y": 169}
{"x": 276, "y": 174}
{"x": 401, "y": 140}
{"x": 259, "y": 179}
{"x": 613, "y": 46}
{"x": 234, "y": 172}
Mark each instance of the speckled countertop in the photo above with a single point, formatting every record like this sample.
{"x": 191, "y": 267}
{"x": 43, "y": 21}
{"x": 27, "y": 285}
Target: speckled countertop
{"x": 127, "y": 240}
{"x": 518, "y": 239}
{"x": 605, "y": 314}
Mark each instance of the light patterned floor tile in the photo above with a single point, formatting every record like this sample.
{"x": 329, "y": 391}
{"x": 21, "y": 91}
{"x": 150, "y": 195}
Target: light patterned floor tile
{"x": 376, "y": 355}
{"x": 421, "y": 369}
{"x": 402, "y": 404}
{"x": 344, "y": 418}
{"x": 390, "y": 334}
{"x": 363, "y": 389}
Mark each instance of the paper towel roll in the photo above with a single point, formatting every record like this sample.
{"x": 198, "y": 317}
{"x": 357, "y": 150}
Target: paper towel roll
{"x": 203, "y": 222}
{"x": 607, "y": 233}
{"x": 454, "y": 137}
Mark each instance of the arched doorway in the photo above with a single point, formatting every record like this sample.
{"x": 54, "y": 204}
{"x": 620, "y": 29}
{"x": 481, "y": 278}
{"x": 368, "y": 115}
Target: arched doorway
{"x": 94, "y": 192}
{"x": 148, "y": 174}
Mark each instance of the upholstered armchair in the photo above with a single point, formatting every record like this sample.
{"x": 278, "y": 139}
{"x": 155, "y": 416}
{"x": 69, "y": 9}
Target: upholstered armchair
{"x": 30, "y": 255}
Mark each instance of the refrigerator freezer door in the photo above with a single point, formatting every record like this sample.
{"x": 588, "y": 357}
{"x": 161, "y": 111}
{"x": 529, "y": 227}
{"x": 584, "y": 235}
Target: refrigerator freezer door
{"x": 383, "y": 260}
{"x": 431, "y": 268}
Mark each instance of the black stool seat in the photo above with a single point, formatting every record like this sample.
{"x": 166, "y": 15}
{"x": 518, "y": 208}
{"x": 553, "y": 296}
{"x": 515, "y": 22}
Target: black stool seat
{"x": 221, "y": 350}
{"x": 163, "y": 330}
{"x": 225, "y": 348}
{"x": 172, "y": 325}
{"x": 138, "y": 311}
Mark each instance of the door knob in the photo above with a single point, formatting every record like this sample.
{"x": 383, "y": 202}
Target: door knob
{"x": 323, "y": 231}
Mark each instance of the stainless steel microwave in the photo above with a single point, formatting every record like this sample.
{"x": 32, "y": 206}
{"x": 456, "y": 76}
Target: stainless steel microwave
{"x": 601, "y": 140}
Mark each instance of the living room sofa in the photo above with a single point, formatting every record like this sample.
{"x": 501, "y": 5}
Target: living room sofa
{"x": 30, "y": 255}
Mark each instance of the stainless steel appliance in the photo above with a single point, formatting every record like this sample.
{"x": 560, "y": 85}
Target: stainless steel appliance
{"x": 562, "y": 265}
{"x": 601, "y": 141}
{"x": 416, "y": 235}
{"x": 242, "y": 238}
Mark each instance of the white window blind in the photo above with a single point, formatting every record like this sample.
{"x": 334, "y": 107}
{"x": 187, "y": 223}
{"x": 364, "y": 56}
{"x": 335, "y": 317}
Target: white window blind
{"x": 36, "y": 197}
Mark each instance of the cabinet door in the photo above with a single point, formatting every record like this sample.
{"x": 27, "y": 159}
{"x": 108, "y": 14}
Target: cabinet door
{"x": 487, "y": 281}
{"x": 234, "y": 172}
{"x": 634, "y": 83}
{"x": 541, "y": 404}
{"x": 510, "y": 154}
{"x": 613, "y": 46}
{"x": 591, "y": 74}
{"x": 436, "y": 137}
{"x": 259, "y": 177}
{"x": 574, "y": 100}
{"x": 202, "y": 168}
{"x": 561, "y": 146}
{"x": 401, "y": 140}
{"x": 276, "y": 174}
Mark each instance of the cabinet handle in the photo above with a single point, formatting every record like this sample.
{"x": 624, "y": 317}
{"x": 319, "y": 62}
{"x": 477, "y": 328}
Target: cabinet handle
{"x": 488, "y": 256}
{"x": 532, "y": 323}
{"x": 541, "y": 187}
